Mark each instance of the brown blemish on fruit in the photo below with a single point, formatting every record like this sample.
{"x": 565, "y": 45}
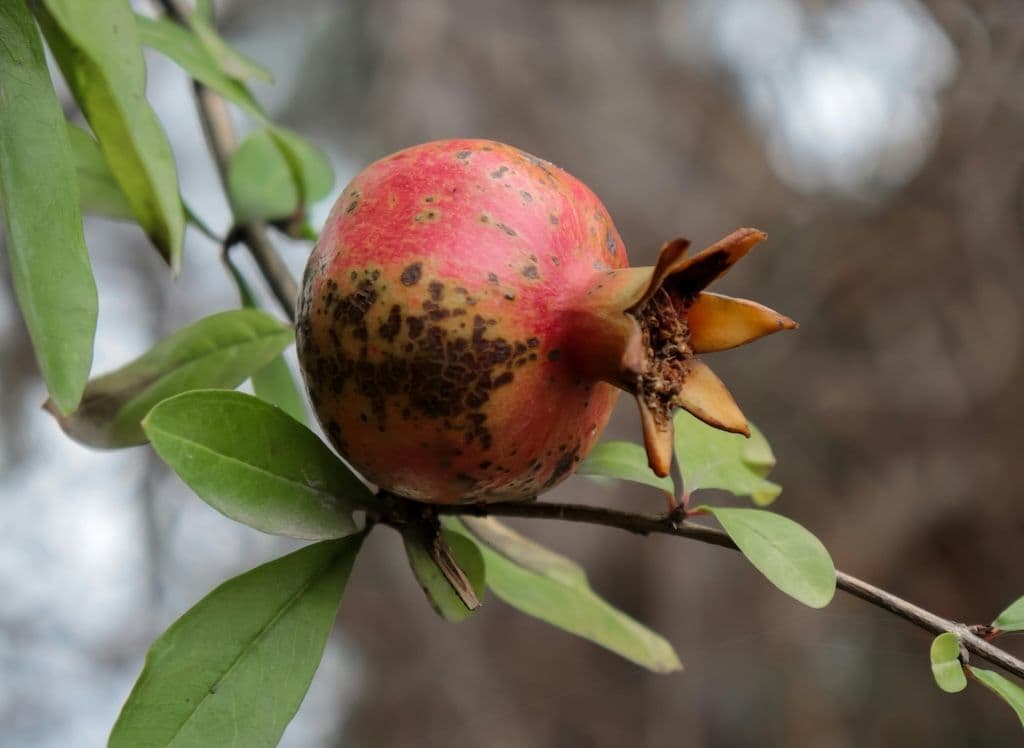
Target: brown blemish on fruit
{"x": 428, "y": 216}
{"x": 507, "y": 229}
{"x": 530, "y": 272}
{"x": 463, "y": 155}
{"x": 527, "y": 197}
{"x": 555, "y": 261}
{"x": 510, "y": 296}
{"x": 393, "y": 326}
{"x": 499, "y": 172}
{"x": 411, "y": 274}
{"x": 492, "y": 278}
{"x": 443, "y": 375}
{"x": 609, "y": 242}
{"x": 352, "y": 206}
{"x": 554, "y": 354}
{"x": 553, "y": 219}
{"x": 484, "y": 218}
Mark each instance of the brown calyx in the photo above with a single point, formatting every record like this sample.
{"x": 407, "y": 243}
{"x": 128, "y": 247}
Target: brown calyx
{"x": 667, "y": 355}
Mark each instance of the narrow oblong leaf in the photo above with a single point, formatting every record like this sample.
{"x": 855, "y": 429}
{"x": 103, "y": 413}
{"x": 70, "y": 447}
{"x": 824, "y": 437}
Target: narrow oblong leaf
{"x": 99, "y": 192}
{"x": 710, "y": 458}
{"x": 256, "y": 464}
{"x": 572, "y": 606}
{"x": 1011, "y": 619}
{"x": 260, "y": 181}
{"x": 1002, "y": 687}
{"x": 97, "y": 48}
{"x": 626, "y": 461}
{"x": 946, "y": 667}
{"x": 232, "y": 671}
{"x": 438, "y": 590}
{"x": 274, "y": 382}
{"x": 50, "y": 267}
{"x": 231, "y": 61}
{"x": 525, "y": 552}
{"x": 182, "y": 46}
{"x": 788, "y": 555}
{"x": 221, "y": 350}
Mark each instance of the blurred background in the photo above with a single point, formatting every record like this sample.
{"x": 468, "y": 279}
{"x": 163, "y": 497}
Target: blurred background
{"x": 879, "y": 143}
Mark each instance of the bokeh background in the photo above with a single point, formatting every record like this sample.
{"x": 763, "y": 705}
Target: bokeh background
{"x": 879, "y": 143}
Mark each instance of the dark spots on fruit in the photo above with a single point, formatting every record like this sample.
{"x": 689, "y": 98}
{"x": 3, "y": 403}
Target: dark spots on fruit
{"x": 533, "y": 342}
{"x": 429, "y": 199}
{"x": 563, "y": 467}
{"x": 609, "y": 242}
{"x": 442, "y": 374}
{"x": 507, "y": 229}
{"x": 499, "y": 172}
{"x": 353, "y": 275}
{"x": 428, "y": 216}
{"x": 485, "y": 464}
{"x": 461, "y": 290}
{"x": 352, "y": 206}
{"x": 463, "y": 155}
{"x": 484, "y": 218}
{"x": 492, "y": 278}
{"x": 555, "y": 261}
{"x": 415, "y": 325}
{"x": 527, "y": 197}
{"x": 530, "y": 272}
{"x": 509, "y": 296}
{"x": 393, "y": 325}
{"x": 412, "y": 273}
{"x": 554, "y": 354}
{"x": 533, "y": 356}
{"x": 553, "y": 219}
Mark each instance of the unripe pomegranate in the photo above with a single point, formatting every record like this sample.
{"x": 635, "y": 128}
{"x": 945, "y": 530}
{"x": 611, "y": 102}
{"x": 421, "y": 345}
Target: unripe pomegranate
{"x": 468, "y": 319}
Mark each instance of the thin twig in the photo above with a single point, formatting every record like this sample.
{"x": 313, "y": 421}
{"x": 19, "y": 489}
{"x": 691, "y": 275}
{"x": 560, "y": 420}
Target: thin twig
{"x": 220, "y": 136}
{"x": 648, "y": 524}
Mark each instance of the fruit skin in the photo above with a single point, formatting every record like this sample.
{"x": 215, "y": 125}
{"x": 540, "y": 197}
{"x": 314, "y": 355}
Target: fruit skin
{"x": 436, "y": 322}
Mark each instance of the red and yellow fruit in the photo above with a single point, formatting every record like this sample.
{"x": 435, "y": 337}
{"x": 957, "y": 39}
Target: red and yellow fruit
{"x": 468, "y": 319}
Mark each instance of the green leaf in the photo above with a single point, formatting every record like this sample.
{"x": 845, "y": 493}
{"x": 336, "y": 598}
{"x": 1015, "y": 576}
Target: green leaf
{"x": 256, "y": 464}
{"x": 39, "y": 195}
{"x": 97, "y": 48}
{"x": 570, "y": 604}
{"x": 231, "y": 61}
{"x": 626, "y": 461}
{"x": 181, "y": 45}
{"x": 525, "y": 552}
{"x": 310, "y": 168}
{"x": 274, "y": 382}
{"x": 710, "y": 458}
{"x": 260, "y": 180}
{"x": 221, "y": 350}
{"x": 1002, "y": 687}
{"x": 787, "y": 554}
{"x": 233, "y": 670}
{"x": 1011, "y": 619}
{"x": 442, "y": 597}
{"x": 946, "y": 667}
{"x": 99, "y": 192}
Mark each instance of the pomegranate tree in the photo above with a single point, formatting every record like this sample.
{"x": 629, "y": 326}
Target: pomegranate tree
{"x": 468, "y": 319}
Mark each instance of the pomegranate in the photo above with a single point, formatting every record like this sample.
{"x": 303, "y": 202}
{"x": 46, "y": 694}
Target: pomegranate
{"x": 468, "y": 319}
